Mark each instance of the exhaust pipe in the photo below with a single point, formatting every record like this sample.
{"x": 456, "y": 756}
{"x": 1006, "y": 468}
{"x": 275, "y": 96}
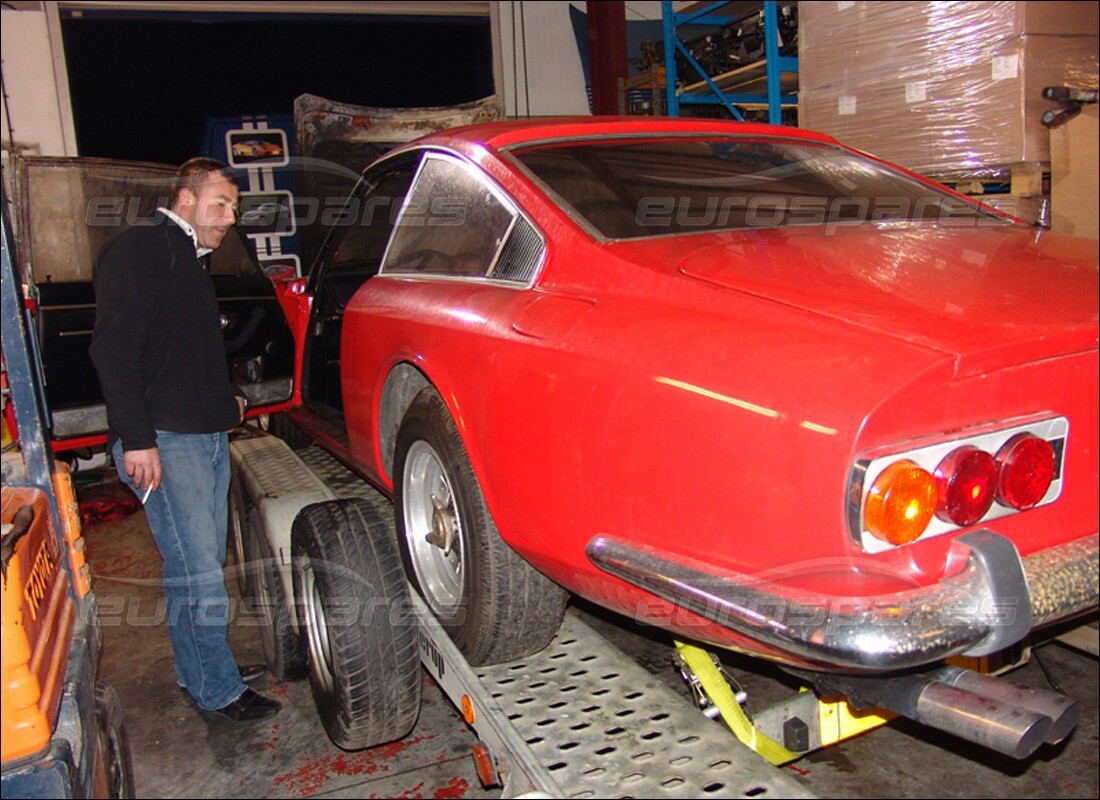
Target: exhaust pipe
{"x": 1010, "y": 719}
{"x": 1007, "y": 729}
{"x": 1064, "y": 712}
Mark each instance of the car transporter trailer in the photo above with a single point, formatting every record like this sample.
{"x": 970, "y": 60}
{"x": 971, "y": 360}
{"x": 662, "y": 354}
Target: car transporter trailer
{"x": 577, "y": 719}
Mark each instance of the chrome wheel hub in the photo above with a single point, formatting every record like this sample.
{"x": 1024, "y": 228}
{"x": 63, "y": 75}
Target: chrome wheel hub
{"x": 320, "y": 652}
{"x": 433, "y": 529}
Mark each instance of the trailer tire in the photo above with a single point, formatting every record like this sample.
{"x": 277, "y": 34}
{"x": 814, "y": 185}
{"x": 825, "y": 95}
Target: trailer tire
{"x": 281, "y": 426}
{"x": 494, "y": 605}
{"x": 283, "y": 650}
{"x": 240, "y": 511}
{"x": 113, "y": 743}
{"x": 355, "y": 617}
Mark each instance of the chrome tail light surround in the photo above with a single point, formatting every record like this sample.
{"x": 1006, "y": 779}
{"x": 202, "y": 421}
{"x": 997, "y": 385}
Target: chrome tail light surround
{"x": 871, "y": 464}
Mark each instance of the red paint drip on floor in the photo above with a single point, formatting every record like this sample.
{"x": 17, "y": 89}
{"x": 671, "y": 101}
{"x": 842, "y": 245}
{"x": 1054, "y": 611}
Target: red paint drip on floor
{"x": 125, "y": 567}
{"x": 272, "y": 743}
{"x": 315, "y": 773}
{"x": 456, "y": 787}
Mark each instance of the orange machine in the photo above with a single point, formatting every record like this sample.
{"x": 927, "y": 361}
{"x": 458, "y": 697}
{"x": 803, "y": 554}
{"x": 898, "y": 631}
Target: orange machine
{"x": 38, "y": 616}
{"x": 61, "y": 732}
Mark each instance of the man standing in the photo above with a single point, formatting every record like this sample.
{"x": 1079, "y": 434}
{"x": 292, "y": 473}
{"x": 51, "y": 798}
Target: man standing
{"x": 160, "y": 356}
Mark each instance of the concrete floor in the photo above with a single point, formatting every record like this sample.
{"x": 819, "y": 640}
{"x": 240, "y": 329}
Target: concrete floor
{"x": 179, "y": 752}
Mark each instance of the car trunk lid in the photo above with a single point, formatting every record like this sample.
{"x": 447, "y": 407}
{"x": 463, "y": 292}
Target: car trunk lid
{"x": 988, "y": 296}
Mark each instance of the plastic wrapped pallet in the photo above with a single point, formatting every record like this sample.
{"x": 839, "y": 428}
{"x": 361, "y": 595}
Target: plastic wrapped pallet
{"x": 947, "y": 89}
{"x": 1073, "y": 175}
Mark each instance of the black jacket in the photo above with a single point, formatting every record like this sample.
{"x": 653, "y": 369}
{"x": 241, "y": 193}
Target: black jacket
{"x": 157, "y": 345}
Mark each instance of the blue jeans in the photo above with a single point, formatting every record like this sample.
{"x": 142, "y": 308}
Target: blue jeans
{"x": 188, "y": 515}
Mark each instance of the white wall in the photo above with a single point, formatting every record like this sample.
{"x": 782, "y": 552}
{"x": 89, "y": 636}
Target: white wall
{"x": 35, "y": 82}
{"x": 540, "y": 64}
{"x": 644, "y": 9}
{"x": 544, "y": 76}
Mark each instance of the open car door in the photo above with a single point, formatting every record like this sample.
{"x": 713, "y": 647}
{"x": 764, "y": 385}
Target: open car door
{"x": 67, "y": 209}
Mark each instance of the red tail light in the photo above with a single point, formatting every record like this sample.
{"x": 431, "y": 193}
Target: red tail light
{"x": 934, "y": 487}
{"x": 967, "y": 483}
{"x": 1027, "y": 469}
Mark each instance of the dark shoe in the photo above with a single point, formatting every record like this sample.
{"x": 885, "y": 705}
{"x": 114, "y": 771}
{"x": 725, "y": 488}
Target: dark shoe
{"x": 250, "y": 706}
{"x": 250, "y": 673}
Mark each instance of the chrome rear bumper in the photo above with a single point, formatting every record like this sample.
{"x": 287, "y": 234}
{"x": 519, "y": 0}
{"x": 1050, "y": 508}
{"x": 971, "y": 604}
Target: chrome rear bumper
{"x": 991, "y": 603}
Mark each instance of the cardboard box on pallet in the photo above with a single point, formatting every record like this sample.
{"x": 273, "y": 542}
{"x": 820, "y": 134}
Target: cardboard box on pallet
{"x": 1074, "y": 194}
{"x": 945, "y": 89}
{"x": 859, "y": 34}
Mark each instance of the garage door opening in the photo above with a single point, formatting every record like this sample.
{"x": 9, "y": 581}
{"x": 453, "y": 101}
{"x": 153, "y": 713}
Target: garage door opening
{"x": 143, "y": 83}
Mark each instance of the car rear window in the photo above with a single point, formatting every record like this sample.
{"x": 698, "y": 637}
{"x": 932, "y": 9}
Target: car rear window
{"x": 634, "y": 187}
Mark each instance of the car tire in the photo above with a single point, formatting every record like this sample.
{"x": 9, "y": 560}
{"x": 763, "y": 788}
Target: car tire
{"x": 355, "y": 617}
{"x": 494, "y": 605}
{"x": 240, "y": 509}
{"x": 281, "y": 426}
{"x": 113, "y": 744}
{"x": 283, "y": 651}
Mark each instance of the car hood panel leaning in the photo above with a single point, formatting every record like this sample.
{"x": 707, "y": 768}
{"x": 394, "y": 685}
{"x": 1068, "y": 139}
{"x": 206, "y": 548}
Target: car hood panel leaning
{"x": 990, "y": 297}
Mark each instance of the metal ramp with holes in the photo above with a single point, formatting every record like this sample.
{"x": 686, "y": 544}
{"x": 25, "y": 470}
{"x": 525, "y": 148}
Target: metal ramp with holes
{"x": 580, "y": 718}
{"x": 603, "y": 726}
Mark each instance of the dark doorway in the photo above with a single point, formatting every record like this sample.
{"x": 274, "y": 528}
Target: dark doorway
{"x": 142, "y": 85}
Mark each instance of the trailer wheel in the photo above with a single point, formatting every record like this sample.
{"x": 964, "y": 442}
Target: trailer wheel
{"x": 283, "y": 651}
{"x": 240, "y": 508}
{"x": 115, "y": 761}
{"x": 354, "y": 614}
{"x": 494, "y": 605}
{"x": 281, "y": 426}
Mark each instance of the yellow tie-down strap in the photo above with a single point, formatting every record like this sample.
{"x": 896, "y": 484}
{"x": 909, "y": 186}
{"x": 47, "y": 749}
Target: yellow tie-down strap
{"x": 720, "y": 693}
{"x": 836, "y": 721}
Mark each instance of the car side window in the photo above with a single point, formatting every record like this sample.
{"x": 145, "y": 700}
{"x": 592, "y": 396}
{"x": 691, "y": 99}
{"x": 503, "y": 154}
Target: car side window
{"x": 369, "y": 218}
{"x": 454, "y": 223}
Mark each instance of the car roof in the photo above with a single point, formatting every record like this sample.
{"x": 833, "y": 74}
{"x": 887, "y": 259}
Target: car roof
{"x": 500, "y": 135}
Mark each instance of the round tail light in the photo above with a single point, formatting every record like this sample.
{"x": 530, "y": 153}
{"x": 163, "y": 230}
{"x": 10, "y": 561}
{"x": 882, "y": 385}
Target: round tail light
{"x": 967, "y": 482}
{"x": 1027, "y": 469}
{"x": 900, "y": 503}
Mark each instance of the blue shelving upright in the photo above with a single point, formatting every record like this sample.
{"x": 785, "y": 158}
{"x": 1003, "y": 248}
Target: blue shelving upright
{"x": 738, "y": 86}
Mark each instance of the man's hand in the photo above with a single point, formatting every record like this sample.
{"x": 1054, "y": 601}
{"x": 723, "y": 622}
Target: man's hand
{"x": 242, "y": 403}
{"x": 143, "y": 467}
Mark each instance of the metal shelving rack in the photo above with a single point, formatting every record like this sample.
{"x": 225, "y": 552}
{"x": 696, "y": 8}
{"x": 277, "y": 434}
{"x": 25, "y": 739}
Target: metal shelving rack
{"x": 768, "y": 83}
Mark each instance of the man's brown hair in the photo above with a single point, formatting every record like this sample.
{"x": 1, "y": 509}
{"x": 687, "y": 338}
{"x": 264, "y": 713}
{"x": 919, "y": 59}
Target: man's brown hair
{"x": 193, "y": 173}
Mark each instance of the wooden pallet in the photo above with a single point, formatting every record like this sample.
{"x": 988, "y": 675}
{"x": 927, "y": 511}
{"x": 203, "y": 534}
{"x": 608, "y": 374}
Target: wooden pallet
{"x": 1026, "y": 179}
